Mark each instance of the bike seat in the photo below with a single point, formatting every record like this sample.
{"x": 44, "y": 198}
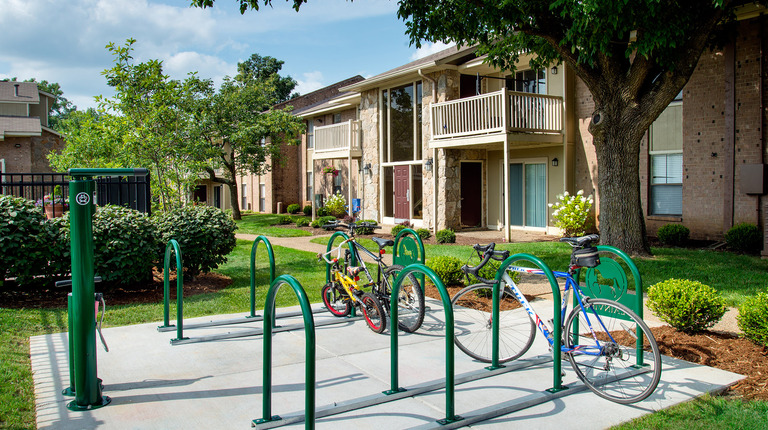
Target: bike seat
{"x": 354, "y": 271}
{"x": 383, "y": 242}
{"x": 580, "y": 241}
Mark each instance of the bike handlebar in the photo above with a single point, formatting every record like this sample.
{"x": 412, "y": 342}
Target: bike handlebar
{"x": 486, "y": 252}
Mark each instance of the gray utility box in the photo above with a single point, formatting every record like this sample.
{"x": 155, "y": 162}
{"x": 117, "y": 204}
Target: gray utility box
{"x": 753, "y": 178}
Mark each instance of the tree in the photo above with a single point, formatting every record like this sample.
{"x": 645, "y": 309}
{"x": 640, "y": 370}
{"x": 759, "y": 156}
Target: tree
{"x": 634, "y": 56}
{"x": 235, "y": 129}
{"x": 60, "y": 108}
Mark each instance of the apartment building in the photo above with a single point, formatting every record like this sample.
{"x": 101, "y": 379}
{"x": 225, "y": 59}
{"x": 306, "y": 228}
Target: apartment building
{"x": 448, "y": 141}
{"x": 25, "y": 138}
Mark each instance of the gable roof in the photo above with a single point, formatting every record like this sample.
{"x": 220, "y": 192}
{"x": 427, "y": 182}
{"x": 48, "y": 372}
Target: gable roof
{"x": 11, "y": 126}
{"x": 27, "y": 92}
{"x": 318, "y": 96}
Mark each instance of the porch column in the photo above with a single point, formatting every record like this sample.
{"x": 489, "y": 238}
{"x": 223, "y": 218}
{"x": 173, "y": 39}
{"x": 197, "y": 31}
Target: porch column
{"x": 505, "y": 118}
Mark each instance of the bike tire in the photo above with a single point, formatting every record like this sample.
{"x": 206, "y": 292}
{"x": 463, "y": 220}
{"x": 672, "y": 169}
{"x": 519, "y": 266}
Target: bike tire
{"x": 410, "y": 312}
{"x": 336, "y": 300}
{"x": 472, "y": 324}
{"x": 373, "y": 313}
{"x": 600, "y": 360}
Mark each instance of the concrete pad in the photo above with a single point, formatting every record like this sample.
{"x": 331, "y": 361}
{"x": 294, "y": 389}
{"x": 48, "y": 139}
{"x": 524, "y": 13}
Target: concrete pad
{"x": 154, "y": 385}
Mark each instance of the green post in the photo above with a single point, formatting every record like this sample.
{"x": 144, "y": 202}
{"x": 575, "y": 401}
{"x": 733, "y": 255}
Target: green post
{"x": 271, "y": 254}
{"x": 557, "y": 329}
{"x": 70, "y": 391}
{"x": 83, "y": 333}
{"x": 174, "y": 246}
{"x": 450, "y": 415}
{"x": 418, "y": 255}
{"x": 310, "y": 347}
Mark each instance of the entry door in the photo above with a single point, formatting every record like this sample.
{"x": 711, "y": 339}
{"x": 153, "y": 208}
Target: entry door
{"x": 527, "y": 194}
{"x": 471, "y": 194}
{"x": 402, "y": 193}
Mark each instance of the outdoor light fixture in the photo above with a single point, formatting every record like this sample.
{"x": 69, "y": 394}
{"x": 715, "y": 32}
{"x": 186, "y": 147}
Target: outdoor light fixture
{"x": 554, "y": 70}
{"x": 554, "y": 162}
{"x": 428, "y": 164}
{"x": 367, "y": 169}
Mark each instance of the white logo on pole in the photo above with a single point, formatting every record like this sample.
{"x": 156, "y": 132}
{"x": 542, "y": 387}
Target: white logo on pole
{"x": 82, "y": 198}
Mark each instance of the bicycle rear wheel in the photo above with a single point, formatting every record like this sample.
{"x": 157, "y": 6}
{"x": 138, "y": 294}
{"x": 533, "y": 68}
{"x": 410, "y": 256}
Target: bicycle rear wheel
{"x": 607, "y": 361}
{"x": 472, "y": 324}
{"x": 336, "y": 300}
{"x": 374, "y": 313}
{"x": 410, "y": 302}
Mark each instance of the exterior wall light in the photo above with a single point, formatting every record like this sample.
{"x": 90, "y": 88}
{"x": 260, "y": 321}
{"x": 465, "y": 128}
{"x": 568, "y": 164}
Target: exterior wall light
{"x": 428, "y": 164}
{"x": 553, "y": 70}
{"x": 554, "y": 162}
{"x": 367, "y": 169}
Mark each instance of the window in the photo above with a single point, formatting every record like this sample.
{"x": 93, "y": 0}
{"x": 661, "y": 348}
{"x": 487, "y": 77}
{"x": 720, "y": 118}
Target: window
{"x": 528, "y": 81}
{"x": 310, "y": 134}
{"x": 336, "y": 118}
{"x": 243, "y": 196}
{"x": 262, "y": 197}
{"x": 309, "y": 186}
{"x": 337, "y": 178}
{"x": 401, "y": 122}
{"x": 666, "y": 159}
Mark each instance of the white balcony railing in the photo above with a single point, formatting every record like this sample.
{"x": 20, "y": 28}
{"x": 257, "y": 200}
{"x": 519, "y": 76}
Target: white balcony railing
{"x": 337, "y": 137}
{"x": 491, "y": 113}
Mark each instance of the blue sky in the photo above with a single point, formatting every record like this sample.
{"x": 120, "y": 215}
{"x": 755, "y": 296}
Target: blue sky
{"x": 327, "y": 41}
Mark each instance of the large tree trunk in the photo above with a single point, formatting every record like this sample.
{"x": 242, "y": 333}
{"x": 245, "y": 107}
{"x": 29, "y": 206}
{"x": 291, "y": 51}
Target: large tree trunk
{"x": 235, "y": 202}
{"x": 617, "y": 145}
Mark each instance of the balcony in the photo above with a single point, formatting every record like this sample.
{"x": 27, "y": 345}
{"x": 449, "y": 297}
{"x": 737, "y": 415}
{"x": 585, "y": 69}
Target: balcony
{"x": 486, "y": 118}
{"x": 337, "y": 141}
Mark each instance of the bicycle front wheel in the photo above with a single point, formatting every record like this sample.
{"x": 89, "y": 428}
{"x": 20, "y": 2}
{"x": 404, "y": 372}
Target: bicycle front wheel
{"x": 410, "y": 301}
{"x": 374, "y": 313}
{"x": 606, "y": 358}
{"x": 472, "y": 324}
{"x": 336, "y": 300}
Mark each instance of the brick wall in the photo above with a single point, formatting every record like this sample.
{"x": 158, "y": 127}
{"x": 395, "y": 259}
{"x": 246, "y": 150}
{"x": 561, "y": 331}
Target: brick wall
{"x": 32, "y": 154}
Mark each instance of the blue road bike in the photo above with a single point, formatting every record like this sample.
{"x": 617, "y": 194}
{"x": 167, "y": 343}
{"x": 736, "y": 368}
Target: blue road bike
{"x": 608, "y": 345}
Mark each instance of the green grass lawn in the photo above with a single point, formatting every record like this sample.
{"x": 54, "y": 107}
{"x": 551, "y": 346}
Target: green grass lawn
{"x": 735, "y": 276}
{"x": 266, "y": 224}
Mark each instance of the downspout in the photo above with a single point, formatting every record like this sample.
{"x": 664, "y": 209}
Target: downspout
{"x": 434, "y": 151}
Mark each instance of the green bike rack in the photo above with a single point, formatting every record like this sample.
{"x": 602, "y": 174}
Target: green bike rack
{"x": 409, "y": 251}
{"x": 310, "y": 348}
{"x": 271, "y": 254}
{"x": 450, "y": 415}
{"x": 173, "y": 246}
{"x": 610, "y": 270}
{"x": 82, "y": 189}
{"x": 557, "y": 330}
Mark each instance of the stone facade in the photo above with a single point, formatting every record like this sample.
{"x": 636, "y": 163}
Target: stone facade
{"x": 369, "y": 122}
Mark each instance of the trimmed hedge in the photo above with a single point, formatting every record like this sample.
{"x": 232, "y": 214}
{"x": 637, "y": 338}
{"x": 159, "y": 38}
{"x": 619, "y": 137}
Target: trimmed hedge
{"x": 752, "y": 319}
{"x": 745, "y": 238}
{"x": 397, "y": 229}
{"x": 673, "y": 234}
{"x": 307, "y": 210}
{"x": 302, "y": 222}
{"x": 206, "y": 235}
{"x": 22, "y": 225}
{"x": 424, "y": 233}
{"x": 446, "y": 236}
{"x": 293, "y": 208}
{"x": 447, "y": 268}
{"x": 124, "y": 245}
{"x": 688, "y": 306}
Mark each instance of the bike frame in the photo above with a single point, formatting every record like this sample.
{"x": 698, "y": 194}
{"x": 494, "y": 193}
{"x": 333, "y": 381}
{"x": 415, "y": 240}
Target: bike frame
{"x": 570, "y": 284}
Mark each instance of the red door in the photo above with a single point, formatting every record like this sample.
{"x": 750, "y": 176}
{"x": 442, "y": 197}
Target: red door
{"x": 402, "y": 194}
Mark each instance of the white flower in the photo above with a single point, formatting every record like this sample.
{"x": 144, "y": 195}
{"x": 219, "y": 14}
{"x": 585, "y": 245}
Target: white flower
{"x": 566, "y": 193}
{"x": 580, "y": 192}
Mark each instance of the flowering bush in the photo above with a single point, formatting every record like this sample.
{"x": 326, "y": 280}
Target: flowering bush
{"x": 336, "y": 205}
{"x": 56, "y": 197}
{"x": 571, "y": 213}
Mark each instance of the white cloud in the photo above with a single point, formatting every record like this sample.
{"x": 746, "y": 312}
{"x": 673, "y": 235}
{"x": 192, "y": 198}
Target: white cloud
{"x": 429, "y": 49}
{"x": 208, "y": 66}
{"x": 312, "y": 81}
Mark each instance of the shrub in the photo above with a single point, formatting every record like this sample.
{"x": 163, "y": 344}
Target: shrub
{"x": 366, "y": 230}
{"x": 445, "y": 236}
{"x": 571, "y": 213}
{"x": 293, "y": 208}
{"x": 124, "y": 245}
{"x": 319, "y": 222}
{"x": 673, "y": 234}
{"x": 323, "y": 212}
{"x": 745, "y": 238}
{"x": 688, "y": 306}
{"x": 284, "y": 219}
{"x": 447, "y": 268}
{"x": 752, "y": 319}
{"x": 397, "y": 229}
{"x": 336, "y": 205}
{"x": 21, "y": 225}
{"x": 424, "y": 233}
{"x": 307, "y": 210}
{"x": 206, "y": 235}
{"x": 302, "y": 222}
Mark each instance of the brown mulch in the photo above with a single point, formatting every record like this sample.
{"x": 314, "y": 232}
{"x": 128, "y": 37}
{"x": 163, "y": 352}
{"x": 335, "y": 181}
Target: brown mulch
{"x": 149, "y": 292}
{"x": 724, "y": 351}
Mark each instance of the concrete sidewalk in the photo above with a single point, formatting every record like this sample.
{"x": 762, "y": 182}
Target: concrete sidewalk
{"x": 218, "y": 385}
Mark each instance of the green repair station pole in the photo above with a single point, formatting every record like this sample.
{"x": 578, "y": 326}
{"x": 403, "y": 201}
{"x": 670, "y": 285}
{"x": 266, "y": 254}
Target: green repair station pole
{"x": 82, "y": 189}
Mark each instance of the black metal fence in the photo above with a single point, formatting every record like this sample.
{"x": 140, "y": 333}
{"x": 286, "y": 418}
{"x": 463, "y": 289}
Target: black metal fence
{"x": 130, "y": 191}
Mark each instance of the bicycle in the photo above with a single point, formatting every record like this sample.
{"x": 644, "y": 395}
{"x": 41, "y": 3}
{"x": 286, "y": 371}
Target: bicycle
{"x": 600, "y": 356}
{"x": 411, "y": 295}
